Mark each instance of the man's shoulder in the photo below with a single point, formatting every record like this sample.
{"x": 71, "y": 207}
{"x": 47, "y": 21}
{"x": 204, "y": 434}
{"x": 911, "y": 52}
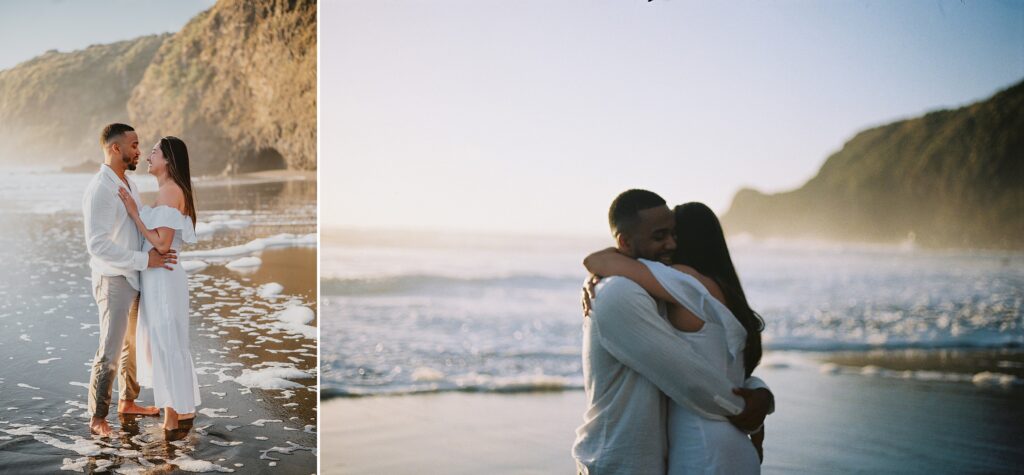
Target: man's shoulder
{"x": 618, "y": 294}
{"x": 97, "y": 182}
{"x": 616, "y": 285}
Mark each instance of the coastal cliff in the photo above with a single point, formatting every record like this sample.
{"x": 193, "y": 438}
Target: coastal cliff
{"x": 948, "y": 179}
{"x": 53, "y": 106}
{"x": 237, "y": 83}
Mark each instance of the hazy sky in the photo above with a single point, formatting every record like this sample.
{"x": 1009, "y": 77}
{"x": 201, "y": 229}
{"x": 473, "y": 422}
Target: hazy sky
{"x": 29, "y": 28}
{"x": 531, "y": 116}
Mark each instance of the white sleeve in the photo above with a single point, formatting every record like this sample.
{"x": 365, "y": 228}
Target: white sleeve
{"x": 754, "y": 382}
{"x": 98, "y": 225}
{"x": 690, "y": 293}
{"x": 630, "y": 329}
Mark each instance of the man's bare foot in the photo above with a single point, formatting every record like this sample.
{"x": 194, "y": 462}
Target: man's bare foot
{"x": 126, "y": 406}
{"x": 99, "y": 426}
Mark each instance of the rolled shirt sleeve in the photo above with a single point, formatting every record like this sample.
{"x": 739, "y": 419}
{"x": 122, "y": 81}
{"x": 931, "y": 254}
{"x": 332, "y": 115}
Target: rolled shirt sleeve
{"x": 630, "y": 328}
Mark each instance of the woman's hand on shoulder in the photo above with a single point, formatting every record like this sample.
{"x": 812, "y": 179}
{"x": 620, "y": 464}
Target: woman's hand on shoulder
{"x": 128, "y": 201}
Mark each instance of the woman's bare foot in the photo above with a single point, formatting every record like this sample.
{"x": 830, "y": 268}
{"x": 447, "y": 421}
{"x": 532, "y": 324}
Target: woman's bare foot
{"x": 173, "y": 420}
{"x": 128, "y": 406}
{"x": 99, "y": 426}
{"x": 170, "y": 418}
{"x": 177, "y": 426}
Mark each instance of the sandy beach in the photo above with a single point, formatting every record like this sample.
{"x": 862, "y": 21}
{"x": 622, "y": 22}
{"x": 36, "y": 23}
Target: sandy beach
{"x": 824, "y": 423}
{"x": 253, "y": 338}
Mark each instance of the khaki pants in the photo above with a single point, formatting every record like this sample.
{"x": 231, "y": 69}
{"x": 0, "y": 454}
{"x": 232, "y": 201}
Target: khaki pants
{"x": 118, "y": 305}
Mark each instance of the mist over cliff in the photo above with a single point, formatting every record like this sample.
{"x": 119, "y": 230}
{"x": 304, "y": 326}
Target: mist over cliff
{"x": 237, "y": 83}
{"x": 53, "y": 106}
{"x": 951, "y": 178}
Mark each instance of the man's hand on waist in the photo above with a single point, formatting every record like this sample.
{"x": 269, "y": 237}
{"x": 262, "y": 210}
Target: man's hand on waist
{"x": 757, "y": 402}
{"x": 163, "y": 260}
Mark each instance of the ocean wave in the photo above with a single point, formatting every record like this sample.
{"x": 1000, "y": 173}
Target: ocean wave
{"x": 982, "y": 379}
{"x": 438, "y": 383}
{"x": 403, "y": 284}
{"x": 983, "y": 340}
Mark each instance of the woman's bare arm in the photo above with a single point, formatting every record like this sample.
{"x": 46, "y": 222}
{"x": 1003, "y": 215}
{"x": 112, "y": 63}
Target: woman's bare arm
{"x": 160, "y": 238}
{"x": 609, "y": 262}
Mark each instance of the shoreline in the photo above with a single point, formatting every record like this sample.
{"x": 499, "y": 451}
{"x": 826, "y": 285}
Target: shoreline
{"x": 824, "y": 423}
{"x": 90, "y": 167}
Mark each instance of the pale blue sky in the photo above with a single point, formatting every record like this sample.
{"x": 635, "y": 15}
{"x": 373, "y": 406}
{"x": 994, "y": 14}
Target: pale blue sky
{"x": 29, "y": 28}
{"x": 530, "y": 116}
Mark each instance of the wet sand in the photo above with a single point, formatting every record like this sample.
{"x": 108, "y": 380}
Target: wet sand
{"x": 824, "y": 423}
{"x": 49, "y": 331}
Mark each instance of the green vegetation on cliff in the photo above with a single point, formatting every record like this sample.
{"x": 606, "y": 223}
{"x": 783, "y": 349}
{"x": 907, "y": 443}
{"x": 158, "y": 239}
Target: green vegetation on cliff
{"x": 237, "y": 83}
{"x": 53, "y": 106}
{"x": 952, "y": 178}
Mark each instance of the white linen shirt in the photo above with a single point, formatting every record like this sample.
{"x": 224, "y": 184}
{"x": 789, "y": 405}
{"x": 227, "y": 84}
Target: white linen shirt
{"x": 632, "y": 360}
{"x": 113, "y": 241}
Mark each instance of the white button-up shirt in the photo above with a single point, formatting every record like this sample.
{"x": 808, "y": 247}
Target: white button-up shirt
{"x": 113, "y": 241}
{"x": 632, "y": 360}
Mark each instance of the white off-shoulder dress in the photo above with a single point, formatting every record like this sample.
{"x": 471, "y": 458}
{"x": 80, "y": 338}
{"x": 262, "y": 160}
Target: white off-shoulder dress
{"x": 697, "y": 443}
{"x": 164, "y": 361}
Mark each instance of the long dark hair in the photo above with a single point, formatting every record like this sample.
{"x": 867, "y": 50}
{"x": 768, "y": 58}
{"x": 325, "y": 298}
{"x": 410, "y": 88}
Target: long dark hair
{"x": 176, "y": 154}
{"x": 700, "y": 243}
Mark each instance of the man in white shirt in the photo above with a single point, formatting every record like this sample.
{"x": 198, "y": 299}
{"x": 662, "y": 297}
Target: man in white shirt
{"x": 116, "y": 257}
{"x": 632, "y": 359}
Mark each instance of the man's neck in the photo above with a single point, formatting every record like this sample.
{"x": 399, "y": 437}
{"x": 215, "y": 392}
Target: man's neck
{"x": 117, "y": 168}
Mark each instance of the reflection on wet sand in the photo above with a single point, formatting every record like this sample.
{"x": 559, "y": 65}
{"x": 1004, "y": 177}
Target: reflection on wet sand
{"x": 253, "y": 351}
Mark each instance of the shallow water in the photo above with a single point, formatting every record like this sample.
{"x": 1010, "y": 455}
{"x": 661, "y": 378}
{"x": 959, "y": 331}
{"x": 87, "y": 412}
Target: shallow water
{"x": 49, "y": 331}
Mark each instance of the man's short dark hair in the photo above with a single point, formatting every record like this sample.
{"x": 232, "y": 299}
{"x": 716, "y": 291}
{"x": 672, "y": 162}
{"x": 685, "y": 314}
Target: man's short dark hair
{"x": 113, "y": 131}
{"x": 624, "y": 214}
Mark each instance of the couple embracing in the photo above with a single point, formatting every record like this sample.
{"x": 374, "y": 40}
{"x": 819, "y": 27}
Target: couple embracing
{"x": 669, "y": 346}
{"x": 140, "y": 289}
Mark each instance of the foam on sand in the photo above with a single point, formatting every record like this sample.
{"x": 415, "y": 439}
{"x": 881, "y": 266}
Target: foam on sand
{"x": 78, "y": 445}
{"x": 254, "y": 246}
{"x": 983, "y": 379}
{"x": 272, "y": 378}
{"x": 215, "y": 413}
{"x": 294, "y": 318}
{"x": 225, "y": 444}
{"x": 270, "y": 290}
{"x": 189, "y": 464}
{"x": 193, "y": 266}
{"x": 292, "y": 447}
{"x": 218, "y": 223}
{"x": 244, "y": 263}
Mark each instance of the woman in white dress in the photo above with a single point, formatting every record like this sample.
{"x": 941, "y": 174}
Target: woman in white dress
{"x": 164, "y": 359}
{"x": 709, "y": 310}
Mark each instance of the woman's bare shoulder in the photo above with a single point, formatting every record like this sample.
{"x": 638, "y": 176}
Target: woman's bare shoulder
{"x": 170, "y": 194}
{"x": 706, "y": 281}
{"x": 687, "y": 270}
